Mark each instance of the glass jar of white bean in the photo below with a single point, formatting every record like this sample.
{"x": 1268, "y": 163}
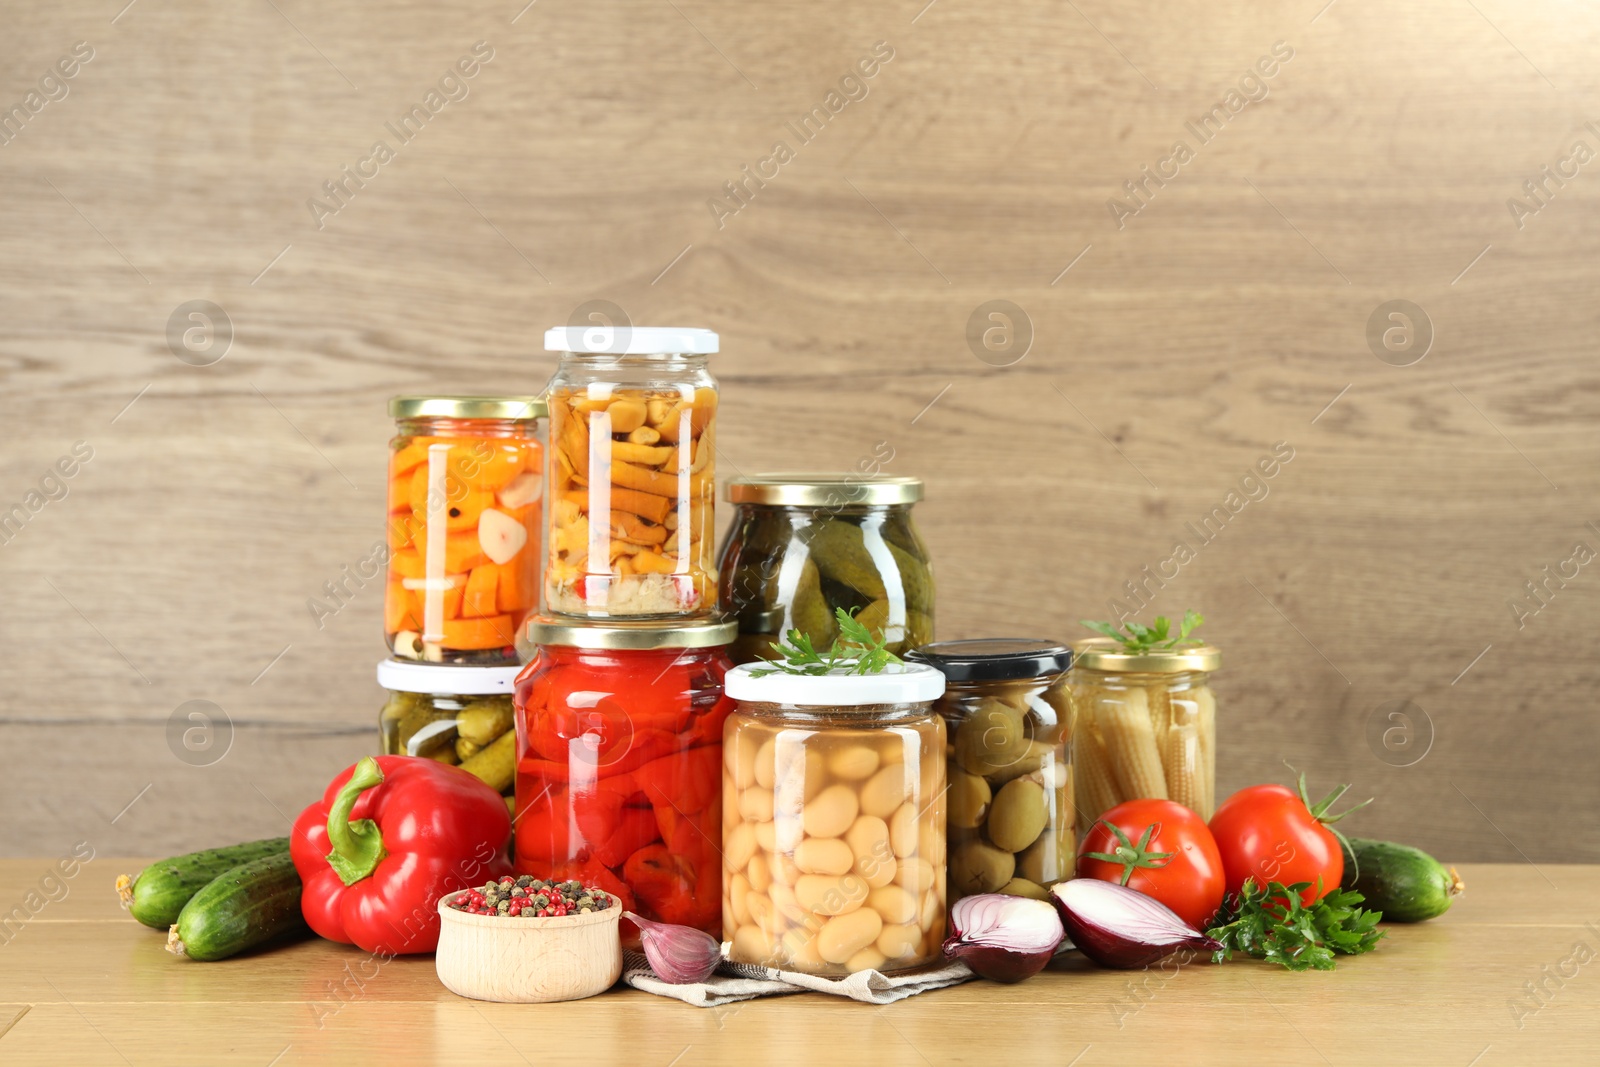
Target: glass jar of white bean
{"x": 833, "y": 825}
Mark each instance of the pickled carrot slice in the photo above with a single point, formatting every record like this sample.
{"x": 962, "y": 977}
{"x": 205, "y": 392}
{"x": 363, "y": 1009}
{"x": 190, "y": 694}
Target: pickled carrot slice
{"x": 478, "y": 599}
{"x": 475, "y": 634}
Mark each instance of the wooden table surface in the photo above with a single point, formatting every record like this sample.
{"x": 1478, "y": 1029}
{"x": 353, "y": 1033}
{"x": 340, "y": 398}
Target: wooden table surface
{"x": 82, "y": 983}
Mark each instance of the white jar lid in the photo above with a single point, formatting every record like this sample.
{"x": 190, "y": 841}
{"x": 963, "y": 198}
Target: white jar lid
{"x": 631, "y": 340}
{"x": 444, "y": 680}
{"x": 905, "y": 683}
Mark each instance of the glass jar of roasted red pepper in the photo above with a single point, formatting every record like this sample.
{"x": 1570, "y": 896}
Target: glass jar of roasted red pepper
{"x": 619, "y": 762}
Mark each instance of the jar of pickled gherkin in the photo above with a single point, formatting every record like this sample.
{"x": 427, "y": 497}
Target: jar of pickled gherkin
{"x": 1145, "y": 725}
{"x": 618, "y": 783}
{"x": 803, "y": 545}
{"x": 632, "y": 473}
{"x": 833, "y": 831}
{"x": 456, "y": 715}
{"x": 466, "y": 482}
{"x": 1011, "y": 820}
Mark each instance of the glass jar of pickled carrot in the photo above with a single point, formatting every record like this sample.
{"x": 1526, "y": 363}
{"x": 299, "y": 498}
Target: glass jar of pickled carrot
{"x": 833, "y": 828}
{"x": 619, "y": 756}
{"x": 1011, "y": 824}
{"x": 1144, "y": 725}
{"x": 632, "y": 473}
{"x": 466, "y": 488}
{"x": 801, "y": 546}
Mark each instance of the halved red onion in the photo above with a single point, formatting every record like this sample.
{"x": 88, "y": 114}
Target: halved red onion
{"x": 1120, "y": 927}
{"x": 677, "y": 954}
{"x": 1003, "y": 938}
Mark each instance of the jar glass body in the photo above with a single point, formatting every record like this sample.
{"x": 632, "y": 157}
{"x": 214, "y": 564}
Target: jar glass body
{"x": 788, "y": 567}
{"x": 1012, "y": 821}
{"x": 1143, "y": 734}
{"x": 465, "y": 503}
{"x": 407, "y": 727}
{"x": 833, "y": 837}
{"x": 617, "y": 777}
{"x": 632, "y": 471}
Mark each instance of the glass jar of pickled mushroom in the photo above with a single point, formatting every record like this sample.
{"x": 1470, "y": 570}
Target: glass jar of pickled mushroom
{"x": 802, "y": 545}
{"x": 466, "y": 485}
{"x": 1010, "y": 807}
{"x": 619, "y": 750}
{"x": 1144, "y": 725}
{"x": 453, "y": 714}
{"x": 833, "y": 830}
{"x": 632, "y": 473}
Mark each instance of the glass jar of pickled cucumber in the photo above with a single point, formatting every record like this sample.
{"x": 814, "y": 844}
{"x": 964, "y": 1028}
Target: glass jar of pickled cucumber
{"x": 1145, "y": 725}
{"x": 456, "y": 715}
{"x": 1011, "y": 822}
{"x": 619, "y": 729}
{"x": 632, "y": 473}
{"x": 466, "y": 484}
{"x": 802, "y": 545}
{"x": 833, "y": 820}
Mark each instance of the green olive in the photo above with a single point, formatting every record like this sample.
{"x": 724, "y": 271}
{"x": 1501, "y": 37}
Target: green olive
{"x": 1049, "y": 859}
{"x": 1019, "y": 814}
{"x": 991, "y": 739}
{"x": 1032, "y": 757}
{"x": 1021, "y": 887}
{"x": 968, "y": 799}
{"x": 978, "y": 867}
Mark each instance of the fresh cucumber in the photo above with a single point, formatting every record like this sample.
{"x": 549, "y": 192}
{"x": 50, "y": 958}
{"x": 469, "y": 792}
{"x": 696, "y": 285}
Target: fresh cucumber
{"x": 1404, "y": 883}
{"x": 250, "y": 904}
{"x": 158, "y": 893}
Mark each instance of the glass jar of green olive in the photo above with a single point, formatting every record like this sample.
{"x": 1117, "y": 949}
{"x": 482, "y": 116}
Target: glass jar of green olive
{"x": 803, "y": 545}
{"x": 1012, "y": 826}
{"x": 454, "y": 714}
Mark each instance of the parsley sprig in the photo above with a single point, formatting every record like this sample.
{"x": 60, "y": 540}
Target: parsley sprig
{"x": 1272, "y": 924}
{"x": 857, "y": 651}
{"x": 1142, "y": 638}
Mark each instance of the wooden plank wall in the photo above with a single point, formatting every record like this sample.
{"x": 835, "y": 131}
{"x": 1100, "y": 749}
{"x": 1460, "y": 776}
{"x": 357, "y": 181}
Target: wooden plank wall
{"x": 1367, "y": 155}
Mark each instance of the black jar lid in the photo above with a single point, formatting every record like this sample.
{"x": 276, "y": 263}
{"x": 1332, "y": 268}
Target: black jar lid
{"x": 995, "y": 659}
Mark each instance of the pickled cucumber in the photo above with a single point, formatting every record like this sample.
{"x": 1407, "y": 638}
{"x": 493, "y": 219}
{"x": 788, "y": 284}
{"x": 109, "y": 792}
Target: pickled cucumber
{"x": 810, "y": 610}
{"x": 484, "y": 720}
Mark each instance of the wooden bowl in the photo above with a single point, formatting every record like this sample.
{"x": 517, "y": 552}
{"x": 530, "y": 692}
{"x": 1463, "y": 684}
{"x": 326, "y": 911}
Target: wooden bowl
{"x": 528, "y": 961}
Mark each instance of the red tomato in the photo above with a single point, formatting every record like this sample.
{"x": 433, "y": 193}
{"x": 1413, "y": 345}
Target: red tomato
{"x": 1189, "y": 880}
{"x": 1267, "y": 832}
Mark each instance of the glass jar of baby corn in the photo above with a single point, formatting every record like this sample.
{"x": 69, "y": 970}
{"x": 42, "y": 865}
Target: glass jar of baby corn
{"x": 833, "y": 820}
{"x": 1145, "y": 725}
{"x": 632, "y": 473}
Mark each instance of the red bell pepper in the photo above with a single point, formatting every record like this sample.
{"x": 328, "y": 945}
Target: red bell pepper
{"x": 391, "y": 836}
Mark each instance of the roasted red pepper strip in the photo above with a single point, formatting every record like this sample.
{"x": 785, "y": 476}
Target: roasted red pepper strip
{"x": 688, "y": 781}
{"x": 392, "y": 835}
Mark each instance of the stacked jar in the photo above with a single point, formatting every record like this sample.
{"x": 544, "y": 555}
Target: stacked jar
{"x": 465, "y": 519}
{"x": 802, "y": 546}
{"x": 466, "y": 481}
{"x": 620, "y": 710}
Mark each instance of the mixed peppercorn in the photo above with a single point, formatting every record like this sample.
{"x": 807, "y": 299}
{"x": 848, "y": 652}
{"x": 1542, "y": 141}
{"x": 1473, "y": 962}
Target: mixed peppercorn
{"x": 530, "y": 897}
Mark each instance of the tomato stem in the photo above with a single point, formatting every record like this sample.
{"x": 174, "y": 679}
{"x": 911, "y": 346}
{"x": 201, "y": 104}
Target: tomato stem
{"x": 1131, "y": 856}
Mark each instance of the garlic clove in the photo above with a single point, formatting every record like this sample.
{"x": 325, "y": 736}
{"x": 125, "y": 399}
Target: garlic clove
{"x": 677, "y": 954}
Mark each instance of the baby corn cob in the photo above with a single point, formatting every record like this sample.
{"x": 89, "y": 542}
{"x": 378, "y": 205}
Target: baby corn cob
{"x": 1094, "y": 790}
{"x": 1206, "y": 727}
{"x": 1124, "y": 721}
{"x": 1182, "y": 752}
{"x": 1160, "y": 698}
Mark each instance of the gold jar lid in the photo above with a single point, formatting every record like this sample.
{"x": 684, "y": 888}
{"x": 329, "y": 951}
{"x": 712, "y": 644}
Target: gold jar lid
{"x": 1104, "y": 654}
{"x": 628, "y": 635}
{"x": 825, "y": 489}
{"x": 467, "y": 407}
